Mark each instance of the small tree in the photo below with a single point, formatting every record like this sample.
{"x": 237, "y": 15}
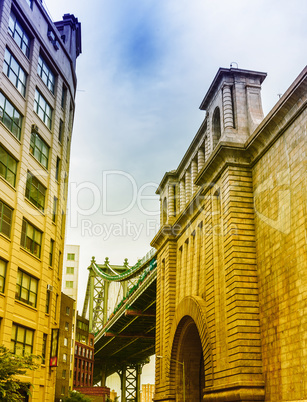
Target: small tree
{"x": 108, "y": 399}
{"x": 75, "y": 396}
{"x": 11, "y": 388}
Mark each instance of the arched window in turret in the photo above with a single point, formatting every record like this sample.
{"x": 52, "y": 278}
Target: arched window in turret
{"x": 216, "y": 126}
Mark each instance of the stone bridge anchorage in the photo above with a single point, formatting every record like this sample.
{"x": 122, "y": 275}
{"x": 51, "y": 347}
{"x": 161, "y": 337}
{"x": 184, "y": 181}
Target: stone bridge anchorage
{"x": 231, "y": 251}
{"x": 223, "y": 304}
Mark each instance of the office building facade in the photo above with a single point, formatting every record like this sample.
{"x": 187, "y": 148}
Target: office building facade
{"x": 37, "y": 92}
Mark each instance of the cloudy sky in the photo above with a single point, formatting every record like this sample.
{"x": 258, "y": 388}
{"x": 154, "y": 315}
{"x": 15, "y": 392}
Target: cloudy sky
{"x": 143, "y": 72}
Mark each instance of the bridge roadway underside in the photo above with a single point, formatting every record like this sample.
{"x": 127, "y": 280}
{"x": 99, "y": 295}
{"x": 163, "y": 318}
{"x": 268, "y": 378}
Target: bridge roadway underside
{"x": 128, "y": 338}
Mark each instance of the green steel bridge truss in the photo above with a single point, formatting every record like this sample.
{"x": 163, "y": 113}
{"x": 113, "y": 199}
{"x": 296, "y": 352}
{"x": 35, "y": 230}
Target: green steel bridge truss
{"x": 125, "y": 333}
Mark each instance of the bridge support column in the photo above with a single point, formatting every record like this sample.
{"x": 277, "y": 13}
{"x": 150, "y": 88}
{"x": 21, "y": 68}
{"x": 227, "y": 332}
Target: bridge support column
{"x": 105, "y": 301}
{"x": 131, "y": 383}
{"x": 123, "y": 384}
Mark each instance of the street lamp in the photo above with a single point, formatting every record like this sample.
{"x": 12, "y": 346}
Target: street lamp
{"x": 183, "y": 375}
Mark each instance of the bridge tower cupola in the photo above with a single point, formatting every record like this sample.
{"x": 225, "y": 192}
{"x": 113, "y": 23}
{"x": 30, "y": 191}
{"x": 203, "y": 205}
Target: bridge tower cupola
{"x": 168, "y": 200}
{"x": 233, "y": 105}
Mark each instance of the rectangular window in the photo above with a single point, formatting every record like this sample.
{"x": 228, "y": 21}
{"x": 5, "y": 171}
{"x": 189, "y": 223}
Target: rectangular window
{"x": 56, "y": 306}
{"x": 71, "y": 116}
{"x": 5, "y": 219}
{"x": 64, "y": 92}
{"x": 26, "y": 288}
{"x": 8, "y": 166}
{"x": 61, "y": 130}
{"x": 48, "y": 297}
{"x": 22, "y": 340}
{"x": 69, "y": 284}
{"x": 71, "y": 257}
{"x": 62, "y": 223}
{"x": 44, "y": 348}
{"x": 39, "y": 149}
{"x": 51, "y": 252}
{"x": 65, "y": 342}
{"x": 60, "y": 262}
{"x": 66, "y": 326}
{"x": 15, "y": 72}
{"x": 54, "y": 210}
{"x": 46, "y": 74}
{"x": 3, "y": 265}
{"x": 64, "y": 374}
{"x": 63, "y": 390}
{"x": 35, "y": 192}
{"x": 57, "y": 168}
{"x": 31, "y": 238}
{"x": 44, "y": 71}
{"x": 70, "y": 270}
{"x": 19, "y": 35}
{"x": 10, "y": 116}
{"x": 43, "y": 109}
{"x": 67, "y": 310}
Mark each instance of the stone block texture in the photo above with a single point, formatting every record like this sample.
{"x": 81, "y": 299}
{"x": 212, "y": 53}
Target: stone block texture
{"x": 232, "y": 274}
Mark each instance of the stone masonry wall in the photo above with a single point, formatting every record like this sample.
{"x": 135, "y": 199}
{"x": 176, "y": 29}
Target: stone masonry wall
{"x": 281, "y": 232}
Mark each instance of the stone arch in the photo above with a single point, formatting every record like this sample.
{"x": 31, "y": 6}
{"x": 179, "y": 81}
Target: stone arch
{"x": 189, "y": 325}
{"x": 216, "y": 126}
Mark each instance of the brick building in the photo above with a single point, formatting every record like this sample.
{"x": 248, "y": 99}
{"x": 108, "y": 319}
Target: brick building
{"x": 37, "y": 91}
{"x": 231, "y": 286}
{"x": 64, "y": 373}
{"x": 84, "y": 355}
{"x": 147, "y": 392}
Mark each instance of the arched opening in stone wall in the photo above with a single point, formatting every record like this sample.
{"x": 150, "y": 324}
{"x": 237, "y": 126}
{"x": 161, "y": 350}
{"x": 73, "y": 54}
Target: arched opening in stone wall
{"x": 216, "y": 126}
{"x": 187, "y": 363}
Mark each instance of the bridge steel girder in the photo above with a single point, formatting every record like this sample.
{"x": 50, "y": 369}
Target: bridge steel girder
{"x": 130, "y": 376}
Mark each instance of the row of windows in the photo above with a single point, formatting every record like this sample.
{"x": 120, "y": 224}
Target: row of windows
{"x": 85, "y": 352}
{"x": 38, "y": 148}
{"x": 83, "y": 378}
{"x": 82, "y": 325}
{"x": 26, "y": 287}
{"x": 31, "y": 237}
{"x": 35, "y": 190}
{"x": 17, "y": 75}
{"x": 23, "y": 41}
{"x": 83, "y": 364}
